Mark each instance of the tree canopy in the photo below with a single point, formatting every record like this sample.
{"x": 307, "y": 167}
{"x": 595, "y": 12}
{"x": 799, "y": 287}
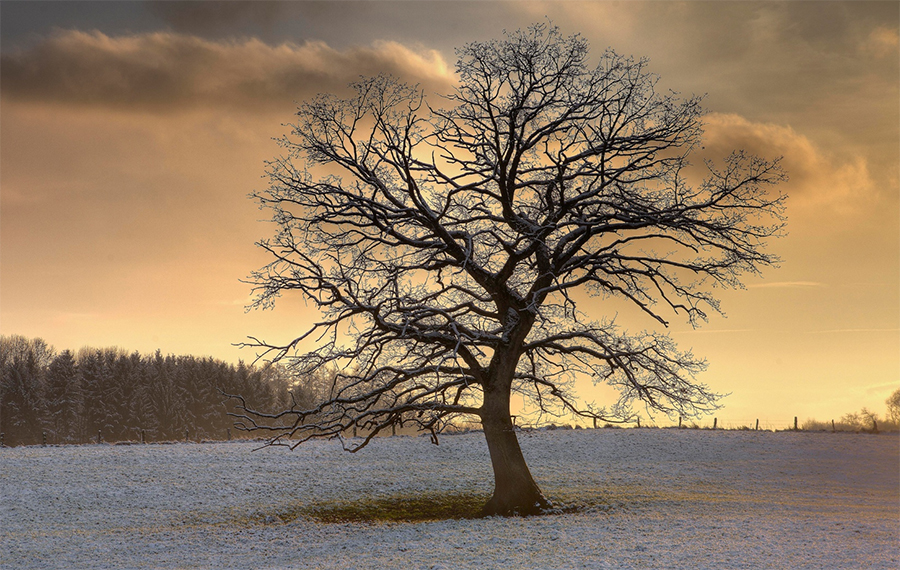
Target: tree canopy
{"x": 447, "y": 246}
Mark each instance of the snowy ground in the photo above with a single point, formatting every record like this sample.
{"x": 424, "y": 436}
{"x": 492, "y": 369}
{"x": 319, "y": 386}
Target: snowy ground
{"x": 671, "y": 499}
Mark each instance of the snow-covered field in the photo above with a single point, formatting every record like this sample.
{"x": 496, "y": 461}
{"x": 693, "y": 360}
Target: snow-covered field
{"x": 667, "y": 499}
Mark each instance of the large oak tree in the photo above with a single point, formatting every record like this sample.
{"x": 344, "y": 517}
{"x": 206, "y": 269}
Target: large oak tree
{"x": 447, "y": 246}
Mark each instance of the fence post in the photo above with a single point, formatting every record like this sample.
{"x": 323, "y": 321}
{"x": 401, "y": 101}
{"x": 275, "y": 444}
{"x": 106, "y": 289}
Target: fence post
{"x": 186, "y": 434}
{"x": 757, "y": 424}
{"x": 795, "y": 423}
{"x": 99, "y": 436}
{"x": 595, "y": 423}
{"x": 44, "y": 438}
{"x": 715, "y": 423}
{"x": 679, "y": 422}
{"x": 1, "y": 439}
{"x": 832, "y": 426}
{"x": 393, "y": 429}
{"x": 142, "y": 437}
{"x": 639, "y": 421}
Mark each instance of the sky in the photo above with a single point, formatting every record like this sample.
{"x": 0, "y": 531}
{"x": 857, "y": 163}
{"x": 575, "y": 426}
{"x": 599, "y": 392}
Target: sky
{"x": 131, "y": 134}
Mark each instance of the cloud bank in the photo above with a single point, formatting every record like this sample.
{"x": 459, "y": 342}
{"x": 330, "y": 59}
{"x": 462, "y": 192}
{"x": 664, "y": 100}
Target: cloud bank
{"x": 164, "y": 70}
{"x": 817, "y": 177}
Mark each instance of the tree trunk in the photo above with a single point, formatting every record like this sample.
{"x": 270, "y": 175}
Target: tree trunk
{"x": 515, "y": 492}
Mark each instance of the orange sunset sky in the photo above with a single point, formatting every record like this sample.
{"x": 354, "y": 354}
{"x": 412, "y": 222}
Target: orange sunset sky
{"x": 131, "y": 134}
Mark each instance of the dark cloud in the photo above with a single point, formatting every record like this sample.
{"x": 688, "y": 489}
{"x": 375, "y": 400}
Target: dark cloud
{"x": 167, "y": 70}
{"x": 205, "y": 18}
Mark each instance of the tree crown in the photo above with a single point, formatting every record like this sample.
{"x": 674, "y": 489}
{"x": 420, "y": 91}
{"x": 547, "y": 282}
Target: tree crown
{"x": 446, "y": 245}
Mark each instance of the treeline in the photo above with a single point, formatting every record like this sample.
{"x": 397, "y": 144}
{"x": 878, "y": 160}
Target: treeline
{"x": 76, "y": 397}
{"x": 864, "y": 421}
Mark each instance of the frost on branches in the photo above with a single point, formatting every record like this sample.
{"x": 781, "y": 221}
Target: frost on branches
{"x": 444, "y": 246}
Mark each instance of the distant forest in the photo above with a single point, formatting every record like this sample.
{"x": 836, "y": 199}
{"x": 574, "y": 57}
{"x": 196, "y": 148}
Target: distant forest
{"x": 76, "y": 397}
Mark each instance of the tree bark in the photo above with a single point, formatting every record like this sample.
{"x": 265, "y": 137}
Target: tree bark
{"x": 515, "y": 491}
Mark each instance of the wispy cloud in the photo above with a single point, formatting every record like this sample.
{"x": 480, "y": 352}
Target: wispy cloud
{"x": 244, "y": 302}
{"x": 714, "y": 331}
{"x": 787, "y": 285}
{"x": 68, "y": 317}
{"x": 862, "y": 330}
{"x": 883, "y": 388}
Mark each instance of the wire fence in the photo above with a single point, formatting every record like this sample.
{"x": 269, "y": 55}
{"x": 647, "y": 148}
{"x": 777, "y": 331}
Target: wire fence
{"x": 763, "y": 424}
{"x": 874, "y": 425}
{"x": 753, "y": 424}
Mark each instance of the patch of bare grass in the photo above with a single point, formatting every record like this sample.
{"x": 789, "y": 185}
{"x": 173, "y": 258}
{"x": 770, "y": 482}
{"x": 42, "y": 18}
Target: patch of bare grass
{"x": 424, "y": 508}
{"x": 388, "y": 509}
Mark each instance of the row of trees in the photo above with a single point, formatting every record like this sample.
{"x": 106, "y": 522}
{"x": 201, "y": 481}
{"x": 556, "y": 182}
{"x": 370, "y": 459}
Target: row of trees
{"x": 865, "y": 420}
{"x": 70, "y": 397}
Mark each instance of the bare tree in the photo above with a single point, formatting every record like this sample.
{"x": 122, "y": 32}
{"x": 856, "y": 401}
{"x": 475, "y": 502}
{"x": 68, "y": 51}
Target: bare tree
{"x": 869, "y": 419}
{"x": 893, "y": 407}
{"x": 445, "y": 246}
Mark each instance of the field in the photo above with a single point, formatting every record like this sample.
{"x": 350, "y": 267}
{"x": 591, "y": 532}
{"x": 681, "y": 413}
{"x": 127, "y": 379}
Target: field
{"x": 635, "y": 498}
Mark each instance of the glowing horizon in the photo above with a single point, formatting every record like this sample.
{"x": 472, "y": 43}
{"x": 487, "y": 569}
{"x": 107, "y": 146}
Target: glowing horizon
{"x": 132, "y": 134}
